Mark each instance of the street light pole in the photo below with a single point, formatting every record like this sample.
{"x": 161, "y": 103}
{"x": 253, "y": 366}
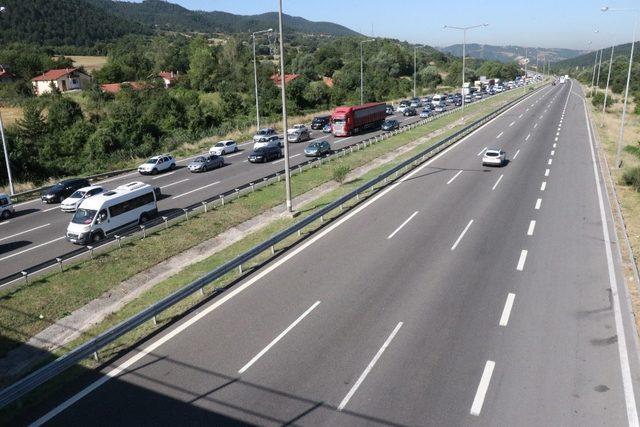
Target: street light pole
{"x": 415, "y": 51}
{"x": 362, "y": 69}
{"x": 287, "y": 174}
{"x": 626, "y": 90}
{"x": 464, "y": 54}
{"x": 255, "y": 74}
{"x": 606, "y": 90}
{"x": 6, "y": 157}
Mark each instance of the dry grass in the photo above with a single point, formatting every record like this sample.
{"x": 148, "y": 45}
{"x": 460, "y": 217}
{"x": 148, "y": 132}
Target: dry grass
{"x": 10, "y": 115}
{"x": 90, "y": 63}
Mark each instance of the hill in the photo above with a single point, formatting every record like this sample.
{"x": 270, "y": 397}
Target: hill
{"x": 62, "y": 22}
{"x": 168, "y": 16}
{"x": 511, "y": 53}
{"x": 588, "y": 59}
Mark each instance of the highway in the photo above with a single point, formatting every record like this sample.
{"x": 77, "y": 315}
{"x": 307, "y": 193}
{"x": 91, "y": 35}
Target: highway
{"x": 36, "y": 233}
{"x": 461, "y": 295}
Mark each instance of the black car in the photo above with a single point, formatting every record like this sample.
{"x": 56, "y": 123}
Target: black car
{"x": 388, "y": 110}
{"x": 388, "y": 125}
{"x": 63, "y": 189}
{"x": 265, "y": 154}
{"x": 458, "y": 102}
{"x": 320, "y": 121}
{"x": 410, "y": 111}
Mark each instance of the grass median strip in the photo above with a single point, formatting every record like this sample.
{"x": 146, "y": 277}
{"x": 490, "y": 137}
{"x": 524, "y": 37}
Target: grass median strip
{"x": 29, "y": 309}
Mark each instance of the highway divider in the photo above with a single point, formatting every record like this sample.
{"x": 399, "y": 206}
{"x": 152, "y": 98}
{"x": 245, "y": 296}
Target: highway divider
{"x": 91, "y": 348}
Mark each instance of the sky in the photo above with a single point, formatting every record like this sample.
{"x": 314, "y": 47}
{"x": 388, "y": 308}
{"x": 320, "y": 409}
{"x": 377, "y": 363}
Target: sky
{"x": 536, "y": 23}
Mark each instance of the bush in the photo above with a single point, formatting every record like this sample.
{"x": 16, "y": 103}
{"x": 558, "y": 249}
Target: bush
{"x": 340, "y": 173}
{"x": 631, "y": 177}
{"x": 598, "y": 99}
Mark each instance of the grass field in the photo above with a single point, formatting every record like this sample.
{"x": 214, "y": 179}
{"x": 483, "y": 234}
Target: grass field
{"x": 89, "y": 63}
{"x": 10, "y": 115}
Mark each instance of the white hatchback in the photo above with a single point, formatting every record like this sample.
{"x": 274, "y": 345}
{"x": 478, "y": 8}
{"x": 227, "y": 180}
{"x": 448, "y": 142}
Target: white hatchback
{"x": 224, "y": 147}
{"x": 71, "y": 203}
{"x": 494, "y": 157}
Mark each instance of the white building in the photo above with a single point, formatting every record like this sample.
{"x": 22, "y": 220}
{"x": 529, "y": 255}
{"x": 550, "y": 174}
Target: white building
{"x": 64, "y": 79}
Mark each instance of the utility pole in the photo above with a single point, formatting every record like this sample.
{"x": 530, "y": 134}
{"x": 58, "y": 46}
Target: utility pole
{"x": 287, "y": 172}
{"x": 6, "y": 157}
{"x": 606, "y": 90}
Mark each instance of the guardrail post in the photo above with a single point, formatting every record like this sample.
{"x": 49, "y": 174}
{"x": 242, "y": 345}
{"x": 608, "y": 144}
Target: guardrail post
{"x": 118, "y": 238}
{"x": 155, "y": 321}
{"x": 321, "y": 219}
{"x": 240, "y": 268}
{"x": 26, "y": 277}
{"x": 299, "y": 233}
{"x": 358, "y": 196}
{"x": 278, "y": 175}
{"x": 252, "y": 188}
{"x": 202, "y": 291}
{"x": 237, "y": 193}
{"x": 59, "y": 261}
{"x": 222, "y": 200}
{"x": 90, "y": 250}
{"x": 341, "y": 208}
{"x": 95, "y": 356}
{"x": 273, "y": 250}
{"x": 205, "y": 206}
{"x": 144, "y": 230}
{"x": 186, "y": 213}
{"x": 166, "y": 222}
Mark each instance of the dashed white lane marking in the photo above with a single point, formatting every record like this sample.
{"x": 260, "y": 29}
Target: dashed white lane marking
{"x": 553, "y": 152}
{"x": 512, "y": 123}
{"x": 406, "y": 221}
{"x": 174, "y": 183}
{"x": 543, "y": 186}
{"x": 368, "y": 368}
{"x": 497, "y": 182}
{"x": 522, "y": 260}
{"x": 499, "y": 135}
{"x": 535, "y": 125}
{"x": 454, "y": 177}
{"x": 516, "y": 155}
{"x": 163, "y": 175}
{"x": 546, "y": 172}
{"x": 527, "y": 138}
{"x": 195, "y": 189}
{"x": 278, "y": 338}
{"x": 482, "y": 151}
{"x": 554, "y": 145}
{"x": 51, "y": 209}
{"x": 532, "y": 226}
{"x": 538, "y": 204}
{"x": 455, "y": 245}
{"x": 520, "y": 116}
{"x": 506, "y": 311}
{"x": 556, "y": 139}
{"x": 478, "y": 400}
{"x": 550, "y": 161}
{"x": 25, "y": 231}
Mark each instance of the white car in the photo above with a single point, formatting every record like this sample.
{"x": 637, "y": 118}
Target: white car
{"x": 71, "y": 203}
{"x": 156, "y": 164}
{"x": 264, "y": 134}
{"x": 224, "y": 147}
{"x": 494, "y": 157}
{"x": 297, "y": 128}
{"x": 272, "y": 141}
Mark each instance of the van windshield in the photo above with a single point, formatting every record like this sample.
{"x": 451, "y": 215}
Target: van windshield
{"x": 83, "y": 216}
{"x": 338, "y": 120}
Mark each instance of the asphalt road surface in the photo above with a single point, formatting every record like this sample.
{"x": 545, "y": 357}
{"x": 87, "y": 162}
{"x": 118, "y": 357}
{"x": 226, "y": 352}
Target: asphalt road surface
{"x": 462, "y": 295}
{"x": 36, "y": 233}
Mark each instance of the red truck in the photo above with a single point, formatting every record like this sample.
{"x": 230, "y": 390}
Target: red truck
{"x": 347, "y": 121}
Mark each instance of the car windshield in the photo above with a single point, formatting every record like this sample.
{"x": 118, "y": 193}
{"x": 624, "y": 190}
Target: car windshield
{"x": 78, "y": 195}
{"x": 314, "y": 145}
{"x": 262, "y": 132}
{"x": 219, "y": 144}
{"x": 83, "y": 216}
{"x": 152, "y": 160}
{"x": 199, "y": 160}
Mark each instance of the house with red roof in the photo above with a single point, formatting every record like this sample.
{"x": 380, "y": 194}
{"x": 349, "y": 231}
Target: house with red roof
{"x": 5, "y": 75}
{"x": 114, "y": 88}
{"x": 64, "y": 79}
{"x": 288, "y": 78}
{"x": 169, "y": 78}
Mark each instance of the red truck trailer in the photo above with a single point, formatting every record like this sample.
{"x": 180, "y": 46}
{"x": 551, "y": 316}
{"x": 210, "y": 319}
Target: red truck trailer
{"x": 347, "y": 121}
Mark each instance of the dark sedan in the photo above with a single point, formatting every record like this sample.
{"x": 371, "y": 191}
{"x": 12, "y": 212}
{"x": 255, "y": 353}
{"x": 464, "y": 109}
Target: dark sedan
{"x": 389, "y": 125}
{"x": 388, "y": 110}
{"x": 265, "y": 154}
{"x": 63, "y": 189}
{"x": 205, "y": 163}
{"x": 410, "y": 112}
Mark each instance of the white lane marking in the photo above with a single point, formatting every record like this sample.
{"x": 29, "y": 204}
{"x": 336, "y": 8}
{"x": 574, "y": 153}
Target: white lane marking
{"x": 535, "y": 125}
{"x": 512, "y": 123}
{"x": 31, "y": 248}
{"x": 527, "y": 138}
{"x": 455, "y": 245}
{"x": 532, "y": 226}
{"x": 556, "y": 139}
{"x": 526, "y": 110}
{"x": 520, "y": 116}
{"x": 540, "y": 117}
{"x": 278, "y": 338}
{"x": 368, "y": 368}
{"x": 499, "y": 135}
{"x": 497, "y": 182}
{"x": 163, "y": 175}
{"x": 478, "y": 400}
{"x": 174, "y": 183}
{"x": 506, "y": 311}
{"x": 623, "y": 352}
{"x": 195, "y": 189}
{"x": 553, "y": 152}
{"x": 454, "y": 177}
{"x": 482, "y": 151}
{"x": 406, "y": 221}
{"x": 516, "y": 155}
{"x": 543, "y": 185}
{"x": 149, "y": 349}
{"x": 5, "y": 222}
{"x": 337, "y": 140}
{"x": 550, "y": 161}
{"x": 538, "y": 204}
{"x": 557, "y": 133}
{"x": 546, "y": 172}
{"x": 290, "y": 157}
{"x": 521, "y": 260}
{"x": 25, "y": 231}
{"x": 554, "y": 145}
{"x": 115, "y": 178}
{"x": 51, "y": 209}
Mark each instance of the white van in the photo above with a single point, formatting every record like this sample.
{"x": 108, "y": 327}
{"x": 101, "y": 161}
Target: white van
{"x": 435, "y": 101}
{"x": 103, "y": 214}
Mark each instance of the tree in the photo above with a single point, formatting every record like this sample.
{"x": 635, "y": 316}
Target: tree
{"x": 62, "y": 113}
{"x": 201, "y": 64}
{"x": 32, "y": 125}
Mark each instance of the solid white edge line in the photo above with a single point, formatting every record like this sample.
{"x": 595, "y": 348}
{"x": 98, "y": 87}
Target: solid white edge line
{"x": 25, "y": 231}
{"x": 117, "y": 370}
{"x": 455, "y": 245}
{"x": 195, "y": 189}
{"x": 278, "y": 338}
{"x": 506, "y": 311}
{"x": 406, "y": 221}
{"x": 368, "y": 368}
{"x": 454, "y": 177}
{"x": 31, "y": 248}
{"x": 627, "y": 383}
{"x": 532, "y": 226}
{"x": 522, "y": 260}
{"x": 497, "y": 182}
{"x": 538, "y": 203}
{"x": 478, "y": 400}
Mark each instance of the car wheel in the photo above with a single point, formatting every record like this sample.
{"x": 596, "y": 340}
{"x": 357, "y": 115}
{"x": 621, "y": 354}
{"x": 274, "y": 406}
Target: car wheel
{"x": 5, "y": 214}
{"x": 96, "y": 237}
{"x": 154, "y": 171}
{"x": 235, "y": 149}
{"x": 143, "y": 219}
{"x": 172, "y": 167}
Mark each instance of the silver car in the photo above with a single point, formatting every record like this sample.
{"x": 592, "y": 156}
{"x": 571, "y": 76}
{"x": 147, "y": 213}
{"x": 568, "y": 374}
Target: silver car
{"x": 205, "y": 163}
{"x": 298, "y": 135}
{"x": 263, "y": 135}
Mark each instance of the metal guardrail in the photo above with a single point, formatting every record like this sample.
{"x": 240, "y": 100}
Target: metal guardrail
{"x": 203, "y": 205}
{"x": 91, "y": 347}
